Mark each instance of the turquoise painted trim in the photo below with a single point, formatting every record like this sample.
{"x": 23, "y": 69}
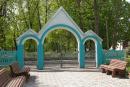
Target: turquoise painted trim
{"x": 66, "y": 27}
{"x": 27, "y": 37}
{"x": 91, "y": 38}
{"x": 98, "y": 48}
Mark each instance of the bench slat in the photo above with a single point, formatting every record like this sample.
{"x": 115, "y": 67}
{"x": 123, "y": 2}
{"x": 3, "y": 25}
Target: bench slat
{"x": 17, "y": 82}
{"x": 7, "y": 81}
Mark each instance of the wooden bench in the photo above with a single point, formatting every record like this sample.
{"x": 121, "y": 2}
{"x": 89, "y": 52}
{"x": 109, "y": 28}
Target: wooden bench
{"x": 6, "y": 80}
{"x": 16, "y": 71}
{"x": 115, "y": 67}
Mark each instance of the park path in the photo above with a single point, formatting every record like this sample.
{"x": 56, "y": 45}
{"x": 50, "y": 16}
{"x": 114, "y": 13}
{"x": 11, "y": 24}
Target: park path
{"x": 74, "y": 79}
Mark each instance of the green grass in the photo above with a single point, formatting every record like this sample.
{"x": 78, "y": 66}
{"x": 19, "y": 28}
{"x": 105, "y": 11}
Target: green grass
{"x": 128, "y": 65}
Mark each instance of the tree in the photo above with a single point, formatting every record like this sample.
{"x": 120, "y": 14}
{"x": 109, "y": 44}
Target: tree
{"x": 108, "y": 18}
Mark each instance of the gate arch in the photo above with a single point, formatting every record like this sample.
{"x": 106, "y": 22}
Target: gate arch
{"x": 30, "y": 34}
{"x": 27, "y": 37}
{"x": 64, "y": 27}
{"x": 98, "y": 47}
{"x": 76, "y": 34}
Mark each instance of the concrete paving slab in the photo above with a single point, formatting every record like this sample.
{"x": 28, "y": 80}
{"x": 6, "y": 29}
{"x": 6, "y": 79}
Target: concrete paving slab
{"x": 75, "y": 79}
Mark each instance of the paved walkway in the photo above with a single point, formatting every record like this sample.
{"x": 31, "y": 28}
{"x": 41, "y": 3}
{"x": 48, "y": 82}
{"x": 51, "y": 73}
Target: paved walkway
{"x": 75, "y": 79}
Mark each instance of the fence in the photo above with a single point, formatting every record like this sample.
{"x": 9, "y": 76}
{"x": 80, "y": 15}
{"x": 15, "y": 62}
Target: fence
{"x": 30, "y": 56}
{"x": 114, "y": 54}
{"x": 7, "y": 57}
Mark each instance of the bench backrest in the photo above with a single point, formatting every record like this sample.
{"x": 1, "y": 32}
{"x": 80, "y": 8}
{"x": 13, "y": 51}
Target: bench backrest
{"x": 4, "y": 77}
{"x": 112, "y": 62}
{"x": 15, "y": 67}
{"x": 119, "y": 64}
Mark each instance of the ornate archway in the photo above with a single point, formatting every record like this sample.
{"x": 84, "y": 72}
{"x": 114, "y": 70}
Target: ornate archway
{"x": 60, "y": 20}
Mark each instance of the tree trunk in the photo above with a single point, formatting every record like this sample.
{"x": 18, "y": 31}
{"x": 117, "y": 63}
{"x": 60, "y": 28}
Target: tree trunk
{"x": 15, "y": 43}
{"x": 3, "y": 8}
{"x": 107, "y": 36}
{"x": 96, "y": 14}
{"x": 30, "y": 20}
{"x": 38, "y": 15}
{"x": 79, "y": 13}
{"x": 46, "y": 17}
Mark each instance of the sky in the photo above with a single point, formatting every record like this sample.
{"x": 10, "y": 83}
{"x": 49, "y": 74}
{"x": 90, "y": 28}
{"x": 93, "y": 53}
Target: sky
{"x": 128, "y": 1}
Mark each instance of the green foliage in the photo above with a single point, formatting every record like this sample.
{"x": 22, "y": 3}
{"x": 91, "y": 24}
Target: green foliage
{"x": 16, "y": 16}
{"x": 128, "y": 60}
{"x": 60, "y": 40}
{"x": 30, "y": 47}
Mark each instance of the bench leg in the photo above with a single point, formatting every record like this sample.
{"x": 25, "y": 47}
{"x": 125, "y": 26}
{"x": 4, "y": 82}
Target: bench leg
{"x": 103, "y": 70}
{"x": 28, "y": 76}
{"x": 122, "y": 73}
{"x": 108, "y": 72}
{"x": 113, "y": 73}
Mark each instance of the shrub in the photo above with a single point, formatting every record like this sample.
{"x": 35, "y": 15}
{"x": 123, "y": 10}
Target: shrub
{"x": 128, "y": 60}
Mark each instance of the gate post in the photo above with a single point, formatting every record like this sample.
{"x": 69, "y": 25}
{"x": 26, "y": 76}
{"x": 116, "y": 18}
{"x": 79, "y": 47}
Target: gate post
{"x": 40, "y": 61}
{"x": 81, "y": 54}
{"x": 100, "y": 54}
{"x": 20, "y": 55}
